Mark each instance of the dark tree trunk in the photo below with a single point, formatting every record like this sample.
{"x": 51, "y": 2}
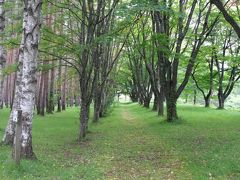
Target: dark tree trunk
{"x": 59, "y": 108}
{"x": 227, "y": 16}
{"x": 134, "y": 99}
{"x": 51, "y": 92}
{"x": 97, "y": 105}
{"x": 221, "y": 101}
{"x": 161, "y": 103}
{"x": 84, "y": 115}
{"x": 146, "y": 102}
{"x": 195, "y": 97}
{"x": 155, "y": 103}
{"x": 171, "y": 110}
{"x": 46, "y": 90}
{"x": 43, "y": 102}
{"x": 207, "y": 101}
{"x": 140, "y": 101}
{"x": 39, "y": 98}
{"x": 186, "y": 99}
{"x": 63, "y": 99}
{"x": 171, "y": 102}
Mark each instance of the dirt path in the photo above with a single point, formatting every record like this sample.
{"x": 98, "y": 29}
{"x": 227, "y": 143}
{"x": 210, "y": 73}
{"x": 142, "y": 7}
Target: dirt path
{"x": 128, "y": 117}
{"x": 139, "y": 153}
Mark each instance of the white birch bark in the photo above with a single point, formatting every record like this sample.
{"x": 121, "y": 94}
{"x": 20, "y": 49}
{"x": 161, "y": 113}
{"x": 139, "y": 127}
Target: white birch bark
{"x": 27, "y": 76}
{"x": 2, "y": 51}
{"x": 31, "y": 36}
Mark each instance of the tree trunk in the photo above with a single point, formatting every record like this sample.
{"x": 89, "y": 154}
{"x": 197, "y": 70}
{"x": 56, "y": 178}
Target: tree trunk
{"x": 40, "y": 98}
{"x": 2, "y": 53}
{"x": 146, "y": 102}
{"x": 195, "y": 97}
{"x": 161, "y": 103}
{"x": 207, "y": 101}
{"x": 134, "y": 95}
{"x": 140, "y": 101}
{"x": 43, "y": 100}
{"x": 29, "y": 51}
{"x": 46, "y": 89}
{"x": 84, "y": 115}
{"x": 227, "y": 16}
{"x": 6, "y": 93}
{"x": 51, "y": 91}
{"x": 63, "y": 100}
{"x": 221, "y": 101}
{"x": 59, "y": 109}
{"x": 171, "y": 107}
{"x": 155, "y": 103}
{"x": 97, "y": 105}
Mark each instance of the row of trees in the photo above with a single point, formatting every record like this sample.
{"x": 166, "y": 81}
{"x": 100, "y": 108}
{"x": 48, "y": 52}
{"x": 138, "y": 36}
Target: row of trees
{"x": 77, "y": 62}
{"x": 77, "y": 59}
{"x": 177, "y": 43}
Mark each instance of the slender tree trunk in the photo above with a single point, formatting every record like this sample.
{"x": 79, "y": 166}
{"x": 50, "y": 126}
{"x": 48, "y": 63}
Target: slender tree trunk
{"x": 97, "y": 105}
{"x": 46, "y": 89}
{"x": 43, "y": 98}
{"x": 227, "y": 16}
{"x": 13, "y": 76}
{"x": 59, "y": 108}
{"x": 221, "y": 98}
{"x": 161, "y": 103}
{"x": 195, "y": 97}
{"x": 6, "y": 93}
{"x": 63, "y": 100}
{"x": 2, "y": 53}
{"x": 40, "y": 98}
{"x": 51, "y": 91}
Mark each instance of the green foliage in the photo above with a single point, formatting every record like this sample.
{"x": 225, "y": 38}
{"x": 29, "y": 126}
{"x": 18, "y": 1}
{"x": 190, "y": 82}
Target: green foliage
{"x": 10, "y": 69}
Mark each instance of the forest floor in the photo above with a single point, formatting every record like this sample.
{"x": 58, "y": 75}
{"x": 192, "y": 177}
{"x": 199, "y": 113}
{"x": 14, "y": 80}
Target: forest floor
{"x": 131, "y": 143}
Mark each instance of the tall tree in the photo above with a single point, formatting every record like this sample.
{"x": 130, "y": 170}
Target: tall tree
{"x": 26, "y": 78}
{"x": 2, "y": 52}
{"x": 28, "y": 54}
{"x": 184, "y": 32}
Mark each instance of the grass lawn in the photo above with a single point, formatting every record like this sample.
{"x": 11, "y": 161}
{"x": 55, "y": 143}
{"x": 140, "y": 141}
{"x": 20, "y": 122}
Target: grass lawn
{"x": 131, "y": 143}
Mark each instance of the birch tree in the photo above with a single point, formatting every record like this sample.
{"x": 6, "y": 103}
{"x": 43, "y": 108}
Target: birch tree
{"x": 28, "y": 53}
{"x": 26, "y": 77}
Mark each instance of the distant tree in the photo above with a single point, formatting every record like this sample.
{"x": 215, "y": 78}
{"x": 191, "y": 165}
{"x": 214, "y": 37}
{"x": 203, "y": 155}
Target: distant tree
{"x": 226, "y": 59}
{"x": 203, "y": 74}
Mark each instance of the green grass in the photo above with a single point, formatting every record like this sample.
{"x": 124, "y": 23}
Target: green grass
{"x": 131, "y": 143}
